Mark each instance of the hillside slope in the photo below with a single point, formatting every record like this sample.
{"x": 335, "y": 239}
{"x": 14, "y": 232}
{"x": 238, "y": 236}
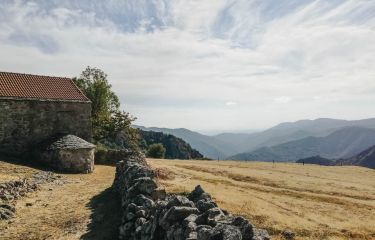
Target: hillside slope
{"x": 206, "y": 145}
{"x": 343, "y": 143}
{"x": 176, "y": 148}
{"x": 364, "y": 159}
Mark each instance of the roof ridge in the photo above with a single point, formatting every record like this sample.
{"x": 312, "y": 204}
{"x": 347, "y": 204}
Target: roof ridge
{"x": 38, "y": 75}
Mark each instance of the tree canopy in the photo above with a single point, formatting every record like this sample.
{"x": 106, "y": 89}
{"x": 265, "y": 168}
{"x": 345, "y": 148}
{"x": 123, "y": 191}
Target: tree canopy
{"x": 111, "y": 125}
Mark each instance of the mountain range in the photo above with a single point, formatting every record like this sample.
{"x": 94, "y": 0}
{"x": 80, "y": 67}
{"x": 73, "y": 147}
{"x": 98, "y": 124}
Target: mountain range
{"x": 342, "y": 143}
{"x": 287, "y": 141}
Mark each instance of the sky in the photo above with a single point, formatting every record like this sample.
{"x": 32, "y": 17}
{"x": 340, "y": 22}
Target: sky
{"x": 213, "y": 65}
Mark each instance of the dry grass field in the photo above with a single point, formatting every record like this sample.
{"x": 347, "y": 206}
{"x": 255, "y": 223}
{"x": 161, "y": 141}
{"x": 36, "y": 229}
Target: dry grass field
{"x": 315, "y": 202}
{"x": 82, "y": 208}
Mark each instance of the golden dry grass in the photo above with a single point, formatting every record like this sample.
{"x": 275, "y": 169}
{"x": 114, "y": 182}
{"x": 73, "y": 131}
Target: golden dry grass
{"x": 82, "y": 208}
{"x": 316, "y": 202}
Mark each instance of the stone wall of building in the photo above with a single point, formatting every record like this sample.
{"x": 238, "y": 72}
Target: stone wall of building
{"x": 24, "y": 123}
{"x": 150, "y": 214}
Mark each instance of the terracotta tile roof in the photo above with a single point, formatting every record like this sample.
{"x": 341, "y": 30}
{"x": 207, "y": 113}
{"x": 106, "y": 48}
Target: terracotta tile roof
{"x": 27, "y": 86}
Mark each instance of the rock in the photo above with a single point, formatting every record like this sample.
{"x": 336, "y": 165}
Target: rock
{"x": 204, "y": 232}
{"x": 8, "y": 206}
{"x": 178, "y": 213}
{"x": 215, "y": 216}
{"x": 190, "y": 218}
{"x": 131, "y": 207}
{"x": 225, "y": 232}
{"x": 141, "y": 213}
{"x": 159, "y": 194}
{"x": 142, "y": 200}
{"x": 192, "y": 236}
{"x": 140, "y": 221}
{"x": 288, "y": 234}
{"x": 212, "y": 217}
{"x": 260, "y": 234}
{"x": 144, "y": 185}
{"x": 245, "y": 227}
{"x": 205, "y": 204}
{"x": 29, "y": 204}
{"x": 198, "y": 193}
{"x": 6, "y": 211}
{"x": 179, "y": 201}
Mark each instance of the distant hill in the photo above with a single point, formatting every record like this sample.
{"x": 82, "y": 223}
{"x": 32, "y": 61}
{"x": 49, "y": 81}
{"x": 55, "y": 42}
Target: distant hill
{"x": 317, "y": 160}
{"x": 228, "y": 144}
{"x": 176, "y": 148}
{"x": 207, "y": 145}
{"x": 342, "y": 143}
{"x": 364, "y": 159}
{"x": 238, "y": 141}
{"x": 289, "y": 131}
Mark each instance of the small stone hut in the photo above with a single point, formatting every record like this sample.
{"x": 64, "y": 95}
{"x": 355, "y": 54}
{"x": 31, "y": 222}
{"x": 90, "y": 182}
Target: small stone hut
{"x": 69, "y": 153}
{"x": 35, "y": 108}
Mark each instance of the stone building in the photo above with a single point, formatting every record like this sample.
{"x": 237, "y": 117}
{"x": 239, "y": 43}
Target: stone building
{"x": 68, "y": 153}
{"x": 34, "y": 108}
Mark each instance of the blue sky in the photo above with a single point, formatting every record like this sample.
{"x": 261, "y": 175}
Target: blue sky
{"x": 205, "y": 65}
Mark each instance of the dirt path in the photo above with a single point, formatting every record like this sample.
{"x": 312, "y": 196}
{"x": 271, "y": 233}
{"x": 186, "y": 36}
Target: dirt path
{"x": 82, "y": 208}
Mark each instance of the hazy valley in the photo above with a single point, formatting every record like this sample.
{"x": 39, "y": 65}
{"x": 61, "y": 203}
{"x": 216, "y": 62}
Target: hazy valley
{"x": 330, "y": 138}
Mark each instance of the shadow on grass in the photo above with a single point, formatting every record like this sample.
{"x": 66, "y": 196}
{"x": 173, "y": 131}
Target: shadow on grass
{"x": 23, "y": 162}
{"x": 32, "y": 163}
{"x": 105, "y": 217}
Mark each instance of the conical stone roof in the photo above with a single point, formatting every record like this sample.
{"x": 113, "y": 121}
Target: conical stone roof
{"x": 70, "y": 142}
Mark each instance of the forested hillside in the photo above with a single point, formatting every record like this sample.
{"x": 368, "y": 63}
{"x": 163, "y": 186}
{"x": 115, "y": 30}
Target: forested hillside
{"x": 176, "y": 148}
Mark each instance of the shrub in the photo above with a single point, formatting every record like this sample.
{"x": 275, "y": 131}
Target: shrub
{"x": 156, "y": 150}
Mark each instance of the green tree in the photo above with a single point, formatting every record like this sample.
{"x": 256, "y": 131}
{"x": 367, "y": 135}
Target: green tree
{"x": 93, "y": 82}
{"x": 109, "y": 123}
{"x": 156, "y": 150}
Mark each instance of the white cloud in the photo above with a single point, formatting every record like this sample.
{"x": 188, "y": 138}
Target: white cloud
{"x": 282, "y": 100}
{"x": 183, "y": 58}
{"x": 231, "y": 103}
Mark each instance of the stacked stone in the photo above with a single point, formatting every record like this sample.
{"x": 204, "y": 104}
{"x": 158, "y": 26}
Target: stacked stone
{"x": 14, "y": 190}
{"x": 149, "y": 214}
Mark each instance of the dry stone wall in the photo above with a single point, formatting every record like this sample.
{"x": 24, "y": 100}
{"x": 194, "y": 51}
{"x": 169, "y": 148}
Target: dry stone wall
{"x": 111, "y": 156}
{"x": 150, "y": 214}
{"x": 11, "y": 191}
{"x": 23, "y": 123}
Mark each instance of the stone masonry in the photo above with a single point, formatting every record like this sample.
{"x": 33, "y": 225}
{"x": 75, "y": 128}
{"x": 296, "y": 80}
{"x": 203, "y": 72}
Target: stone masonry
{"x": 68, "y": 153}
{"x": 24, "y": 123}
{"x": 150, "y": 214}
